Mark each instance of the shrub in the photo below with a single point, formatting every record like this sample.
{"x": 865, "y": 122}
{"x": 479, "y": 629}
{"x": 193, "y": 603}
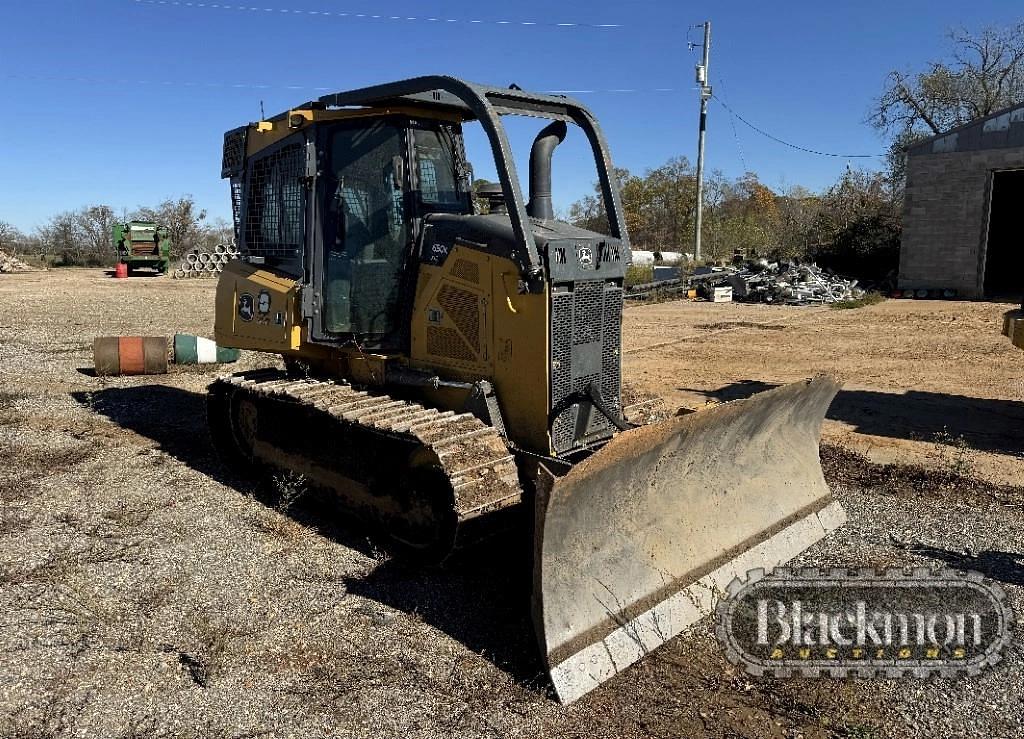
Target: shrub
{"x": 639, "y": 274}
{"x": 867, "y": 248}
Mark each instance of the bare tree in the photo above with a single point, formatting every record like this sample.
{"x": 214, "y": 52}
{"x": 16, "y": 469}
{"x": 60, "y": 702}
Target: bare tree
{"x": 10, "y": 238}
{"x": 62, "y": 236}
{"x": 985, "y": 72}
{"x": 96, "y": 222}
{"x": 218, "y": 231}
{"x": 182, "y": 218}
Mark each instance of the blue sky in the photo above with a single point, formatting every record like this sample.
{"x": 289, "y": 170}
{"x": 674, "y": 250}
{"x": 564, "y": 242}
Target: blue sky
{"x": 125, "y": 102}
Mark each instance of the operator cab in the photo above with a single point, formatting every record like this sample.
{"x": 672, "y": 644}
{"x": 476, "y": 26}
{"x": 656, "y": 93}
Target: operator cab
{"x": 347, "y": 200}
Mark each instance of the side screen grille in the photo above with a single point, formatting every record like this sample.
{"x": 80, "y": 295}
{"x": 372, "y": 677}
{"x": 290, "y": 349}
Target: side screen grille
{"x": 236, "y": 206}
{"x": 443, "y": 341}
{"x": 463, "y": 309}
{"x": 274, "y": 220}
{"x": 233, "y": 160}
{"x": 586, "y": 329}
{"x": 466, "y": 271}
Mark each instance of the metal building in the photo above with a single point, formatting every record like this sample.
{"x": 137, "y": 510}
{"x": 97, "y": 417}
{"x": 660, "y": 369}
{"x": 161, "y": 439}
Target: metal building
{"x": 963, "y": 213}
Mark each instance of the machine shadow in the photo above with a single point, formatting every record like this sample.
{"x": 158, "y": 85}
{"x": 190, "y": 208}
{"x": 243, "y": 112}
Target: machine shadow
{"x": 480, "y": 598}
{"x": 1006, "y": 567}
{"x": 983, "y": 424}
{"x": 175, "y": 419}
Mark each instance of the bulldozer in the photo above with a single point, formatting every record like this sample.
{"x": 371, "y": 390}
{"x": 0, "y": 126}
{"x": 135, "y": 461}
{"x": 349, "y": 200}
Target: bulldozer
{"x": 452, "y": 367}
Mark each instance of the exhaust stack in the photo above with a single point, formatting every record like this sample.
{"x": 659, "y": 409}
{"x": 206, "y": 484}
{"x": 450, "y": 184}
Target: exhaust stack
{"x": 540, "y": 170}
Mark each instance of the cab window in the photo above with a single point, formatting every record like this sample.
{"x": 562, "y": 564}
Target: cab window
{"x": 441, "y": 172}
{"x": 366, "y": 234}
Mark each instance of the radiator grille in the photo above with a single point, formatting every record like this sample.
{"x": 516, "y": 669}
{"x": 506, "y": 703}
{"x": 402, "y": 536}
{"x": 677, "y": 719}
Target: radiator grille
{"x": 589, "y": 314}
{"x": 611, "y": 349}
{"x": 561, "y": 369}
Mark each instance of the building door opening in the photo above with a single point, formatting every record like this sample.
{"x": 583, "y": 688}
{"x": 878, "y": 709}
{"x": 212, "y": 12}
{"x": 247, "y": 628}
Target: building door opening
{"x": 1004, "y": 253}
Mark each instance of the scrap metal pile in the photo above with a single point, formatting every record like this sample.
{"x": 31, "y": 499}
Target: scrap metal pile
{"x": 199, "y": 263}
{"x": 762, "y": 281}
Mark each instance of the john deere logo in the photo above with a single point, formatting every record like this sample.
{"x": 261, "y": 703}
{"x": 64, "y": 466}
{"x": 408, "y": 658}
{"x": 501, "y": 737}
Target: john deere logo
{"x": 245, "y": 306}
{"x": 840, "y": 622}
{"x": 586, "y": 255}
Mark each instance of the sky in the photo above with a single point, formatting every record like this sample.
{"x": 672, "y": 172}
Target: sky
{"x": 125, "y": 102}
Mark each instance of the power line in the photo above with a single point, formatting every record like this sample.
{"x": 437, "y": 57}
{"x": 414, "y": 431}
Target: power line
{"x": 267, "y": 86}
{"x": 777, "y": 140}
{"x": 370, "y": 16}
{"x": 735, "y": 133}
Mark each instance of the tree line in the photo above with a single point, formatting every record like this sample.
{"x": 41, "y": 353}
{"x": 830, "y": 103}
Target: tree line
{"x": 853, "y": 225}
{"x": 82, "y": 237}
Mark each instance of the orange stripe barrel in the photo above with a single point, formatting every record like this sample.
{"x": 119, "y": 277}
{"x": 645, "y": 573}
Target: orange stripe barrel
{"x": 130, "y": 355}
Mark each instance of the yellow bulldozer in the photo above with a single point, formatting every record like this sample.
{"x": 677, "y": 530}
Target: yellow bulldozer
{"x": 452, "y": 361}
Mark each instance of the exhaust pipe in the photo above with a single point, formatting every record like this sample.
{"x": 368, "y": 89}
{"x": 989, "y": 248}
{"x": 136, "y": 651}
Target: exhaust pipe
{"x": 540, "y": 170}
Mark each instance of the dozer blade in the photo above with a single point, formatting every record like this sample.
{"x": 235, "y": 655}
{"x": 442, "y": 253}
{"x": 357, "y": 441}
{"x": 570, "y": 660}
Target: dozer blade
{"x": 638, "y": 541}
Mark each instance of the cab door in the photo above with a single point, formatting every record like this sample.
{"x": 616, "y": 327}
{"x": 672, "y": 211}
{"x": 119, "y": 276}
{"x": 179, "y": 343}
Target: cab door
{"x": 365, "y": 231}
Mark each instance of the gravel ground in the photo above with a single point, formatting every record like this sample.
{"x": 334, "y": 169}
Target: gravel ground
{"x": 146, "y": 592}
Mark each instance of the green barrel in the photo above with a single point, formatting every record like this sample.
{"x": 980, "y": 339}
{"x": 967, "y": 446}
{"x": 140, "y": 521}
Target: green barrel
{"x": 189, "y": 349}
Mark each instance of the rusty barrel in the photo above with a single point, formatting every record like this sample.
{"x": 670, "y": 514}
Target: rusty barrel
{"x": 121, "y": 270}
{"x": 130, "y": 355}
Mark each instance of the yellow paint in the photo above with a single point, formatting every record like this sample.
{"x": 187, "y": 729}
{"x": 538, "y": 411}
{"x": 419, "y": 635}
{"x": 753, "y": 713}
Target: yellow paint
{"x": 522, "y": 374}
{"x": 452, "y": 310}
{"x": 513, "y": 348}
{"x": 264, "y": 133}
{"x": 276, "y": 329}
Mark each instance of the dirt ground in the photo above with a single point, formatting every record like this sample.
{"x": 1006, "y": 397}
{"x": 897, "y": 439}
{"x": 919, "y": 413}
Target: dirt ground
{"x": 914, "y": 372}
{"x": 147, "y": 592}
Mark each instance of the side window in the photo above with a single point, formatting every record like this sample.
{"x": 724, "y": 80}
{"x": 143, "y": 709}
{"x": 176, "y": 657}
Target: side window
{"x": 366, "y": 233}
{"x": 276, "y": 204}
{"x": 439, "y": 161}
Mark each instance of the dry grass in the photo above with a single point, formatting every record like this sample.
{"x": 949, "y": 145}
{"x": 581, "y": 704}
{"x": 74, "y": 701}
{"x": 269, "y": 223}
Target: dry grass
{"x": 145, "y": 591}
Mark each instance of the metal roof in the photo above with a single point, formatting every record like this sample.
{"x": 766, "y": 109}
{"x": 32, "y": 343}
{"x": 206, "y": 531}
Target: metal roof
{"x": 1003, "y": 129}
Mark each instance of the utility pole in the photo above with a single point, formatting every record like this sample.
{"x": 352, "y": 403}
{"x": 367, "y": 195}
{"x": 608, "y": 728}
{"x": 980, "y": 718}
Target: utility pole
{"x": 705, "y": 95}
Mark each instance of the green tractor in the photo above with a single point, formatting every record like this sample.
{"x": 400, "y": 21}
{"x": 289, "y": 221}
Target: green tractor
{"x": 142, "y": 244}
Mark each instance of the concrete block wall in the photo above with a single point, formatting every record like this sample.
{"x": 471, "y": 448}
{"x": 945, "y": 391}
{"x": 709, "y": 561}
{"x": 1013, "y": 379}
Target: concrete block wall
{"x": 945, "y": 216}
